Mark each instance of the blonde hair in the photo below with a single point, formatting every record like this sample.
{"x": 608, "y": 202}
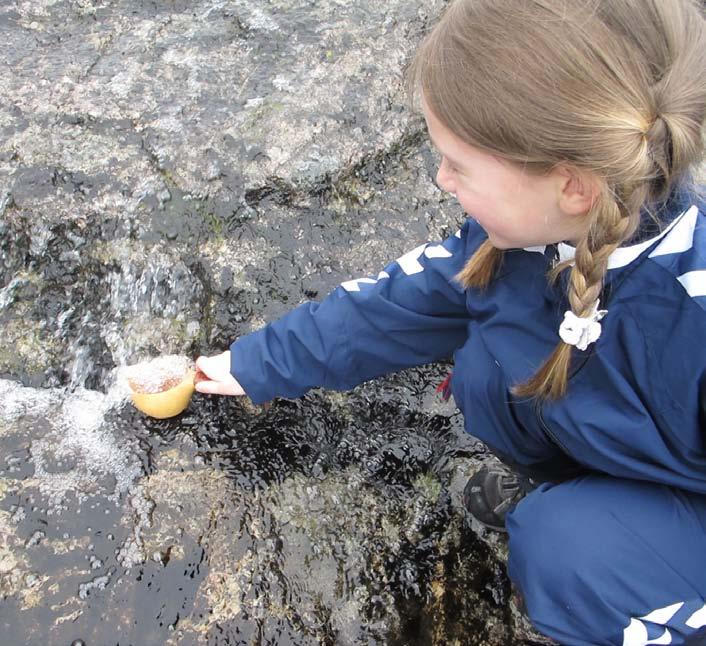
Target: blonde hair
{"x": 613, "y": 87}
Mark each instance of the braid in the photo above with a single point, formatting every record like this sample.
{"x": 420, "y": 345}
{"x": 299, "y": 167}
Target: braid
{"x": 614, "y": 217}
{"x": 613, "y": 220}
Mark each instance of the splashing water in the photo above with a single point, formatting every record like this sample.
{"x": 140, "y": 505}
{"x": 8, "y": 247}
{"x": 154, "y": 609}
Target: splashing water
{"x": 80, "y": 453}
{"x": 80, "y": 439}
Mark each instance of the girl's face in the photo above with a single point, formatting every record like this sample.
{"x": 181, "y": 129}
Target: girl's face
{"x": 516, "y": 209}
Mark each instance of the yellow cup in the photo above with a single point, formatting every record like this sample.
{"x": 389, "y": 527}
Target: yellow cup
{"x": 169, "y": 402}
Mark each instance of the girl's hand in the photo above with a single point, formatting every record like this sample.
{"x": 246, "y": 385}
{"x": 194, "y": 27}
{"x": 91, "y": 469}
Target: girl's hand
{"x": 214, "y": 378}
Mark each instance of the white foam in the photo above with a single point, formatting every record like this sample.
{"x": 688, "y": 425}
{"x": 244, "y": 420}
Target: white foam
{"x": 76, "y": 450}
{"x": 81, "y": 434}
{"x": 99, "y": 583}
{"x": 71, "y": 428}
{"x": 158, "y": 374}
{"x": 17, "y": 401}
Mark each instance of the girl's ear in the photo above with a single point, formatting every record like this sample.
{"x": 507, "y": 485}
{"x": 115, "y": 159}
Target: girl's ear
{"x": 577, "y": 189}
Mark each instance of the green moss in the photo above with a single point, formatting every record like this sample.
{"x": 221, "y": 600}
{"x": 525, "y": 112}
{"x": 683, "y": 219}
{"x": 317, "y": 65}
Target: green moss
{"x": 212, "y": 221}
{"x": 170, "y": 334}
{"x": 24, "y": 348}
{"x": 428, "y": 486}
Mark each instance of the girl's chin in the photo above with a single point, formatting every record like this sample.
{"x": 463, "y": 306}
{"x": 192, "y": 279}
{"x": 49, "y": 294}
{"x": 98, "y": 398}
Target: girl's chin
{"x": 498, "y": 241}
{"x": 501, "y": 243}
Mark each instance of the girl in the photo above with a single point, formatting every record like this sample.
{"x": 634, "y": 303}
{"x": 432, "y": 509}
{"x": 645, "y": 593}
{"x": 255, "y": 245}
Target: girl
{"x": 573, "y": 301}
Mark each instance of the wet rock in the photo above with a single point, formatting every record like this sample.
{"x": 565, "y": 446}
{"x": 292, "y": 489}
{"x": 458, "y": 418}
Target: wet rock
{"x": 348, "y": 554}
{"x": 8, "y": 560}
{"x": 329, "y": 559}
{"x": 26, "y": 352}
{"x": 18, "y": 581}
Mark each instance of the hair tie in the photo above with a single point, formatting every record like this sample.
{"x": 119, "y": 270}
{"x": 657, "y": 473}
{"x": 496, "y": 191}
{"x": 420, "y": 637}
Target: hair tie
{"x": 581, "y": 331}
{"x": 656, "y": 128}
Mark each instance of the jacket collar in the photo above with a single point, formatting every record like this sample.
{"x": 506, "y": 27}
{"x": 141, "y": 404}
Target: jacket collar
{"x": 623, "y": 256}
{"x": 657, "y": 222}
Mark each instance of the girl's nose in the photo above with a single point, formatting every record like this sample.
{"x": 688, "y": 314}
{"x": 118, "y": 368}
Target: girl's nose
{"x": 444, "y": 178}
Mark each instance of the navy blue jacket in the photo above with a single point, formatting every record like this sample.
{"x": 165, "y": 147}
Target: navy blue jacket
{"x": 634, "y": 406}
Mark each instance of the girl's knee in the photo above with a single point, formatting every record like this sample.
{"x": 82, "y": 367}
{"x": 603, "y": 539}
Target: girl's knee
{"x": 552, "y": 540}
{"x": 594, "y": 555}
{"x": 559, "y": 560}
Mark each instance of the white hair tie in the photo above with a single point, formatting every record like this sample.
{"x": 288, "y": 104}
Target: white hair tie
{"x": 581, "y": 331}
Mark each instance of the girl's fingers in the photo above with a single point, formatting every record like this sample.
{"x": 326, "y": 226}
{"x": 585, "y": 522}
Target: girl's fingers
{"x": 211, "y": 388}
{"x": 219, "y": 388}
{"x": 213, "y": 376}
{"x": 217, "y": 367}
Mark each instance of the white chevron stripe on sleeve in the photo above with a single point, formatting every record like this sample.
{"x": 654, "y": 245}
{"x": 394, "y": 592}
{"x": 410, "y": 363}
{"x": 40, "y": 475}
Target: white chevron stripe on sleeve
{"x": 437, "y": 251}
{"x": 354, "y": 286}
{"x": 694, "y": 282}
{"x": 663, "y": 615}
{"x": 636, "y": 635}
{"x": 698, "y": 619}
{"x": 410, "y": 261}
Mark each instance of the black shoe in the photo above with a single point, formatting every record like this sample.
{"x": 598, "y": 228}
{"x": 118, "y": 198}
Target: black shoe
{"x": 492, "y": 492}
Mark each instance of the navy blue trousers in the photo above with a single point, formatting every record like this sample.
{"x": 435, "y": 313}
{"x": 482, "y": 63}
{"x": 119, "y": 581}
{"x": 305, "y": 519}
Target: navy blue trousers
{"x": 601, "y": 560}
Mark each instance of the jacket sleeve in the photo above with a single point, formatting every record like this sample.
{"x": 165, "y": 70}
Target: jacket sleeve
{"x": 412, "y": 313}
